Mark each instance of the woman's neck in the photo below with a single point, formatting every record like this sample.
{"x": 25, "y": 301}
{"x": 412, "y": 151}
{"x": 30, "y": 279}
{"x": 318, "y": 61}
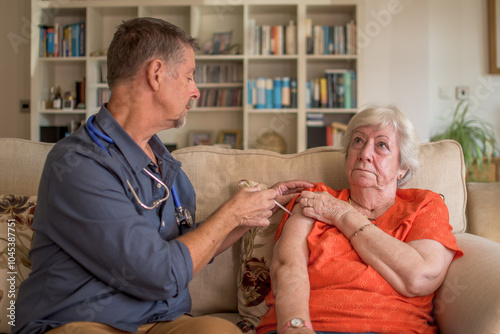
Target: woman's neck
{"x": 372, "y": 203}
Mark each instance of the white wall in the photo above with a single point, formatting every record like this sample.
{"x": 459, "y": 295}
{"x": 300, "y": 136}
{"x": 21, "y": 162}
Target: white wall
{"x": 421, "y": 47}
{"x": 459, "y": 56}
{"x": 396, "y": 59}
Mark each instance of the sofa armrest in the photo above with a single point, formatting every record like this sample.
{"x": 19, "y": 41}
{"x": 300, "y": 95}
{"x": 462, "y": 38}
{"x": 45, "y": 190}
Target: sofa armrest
{"x": 469, "y": 299}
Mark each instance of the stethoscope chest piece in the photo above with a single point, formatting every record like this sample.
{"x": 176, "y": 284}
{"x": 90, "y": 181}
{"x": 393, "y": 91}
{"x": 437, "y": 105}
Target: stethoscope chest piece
{"x": 183, "y": 217}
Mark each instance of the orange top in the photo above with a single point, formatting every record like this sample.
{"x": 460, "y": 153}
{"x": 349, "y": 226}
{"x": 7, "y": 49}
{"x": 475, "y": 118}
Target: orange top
{"x": 347, "y": 295}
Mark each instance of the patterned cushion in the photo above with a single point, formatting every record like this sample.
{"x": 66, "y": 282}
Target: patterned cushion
{"x": 16, "y": 216}
{"x": 254, "y": 281}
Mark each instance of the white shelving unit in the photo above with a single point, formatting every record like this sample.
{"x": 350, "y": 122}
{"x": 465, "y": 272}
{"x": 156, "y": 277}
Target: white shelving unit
{"x": 200, "y": 18}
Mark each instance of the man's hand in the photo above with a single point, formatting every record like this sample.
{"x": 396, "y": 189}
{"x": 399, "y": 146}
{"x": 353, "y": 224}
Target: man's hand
{"x": 287, "y": 190}
{"x": 251, "y": 207}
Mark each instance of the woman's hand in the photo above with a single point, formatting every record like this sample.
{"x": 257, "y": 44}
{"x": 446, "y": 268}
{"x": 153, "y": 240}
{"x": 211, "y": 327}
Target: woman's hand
{"x": 286, "y": 191}
{"x": 324, "y": 207}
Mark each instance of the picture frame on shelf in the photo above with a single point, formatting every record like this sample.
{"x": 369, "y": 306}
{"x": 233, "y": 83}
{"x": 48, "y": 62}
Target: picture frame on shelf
{"x": 200, "y": 137}
{"x": 230, "y": 137}
{"x": 222, "y": 41}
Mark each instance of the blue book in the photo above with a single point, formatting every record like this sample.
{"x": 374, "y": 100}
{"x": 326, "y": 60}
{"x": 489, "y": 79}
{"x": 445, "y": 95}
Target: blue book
{"x": 269, "y": 93}
{"x": 50, "y": 41}
{"x": 75, "y": 40}
{"x": 260, "y": 84}
{"x": 277, "y": 93}
{"x": 250, "y": 92}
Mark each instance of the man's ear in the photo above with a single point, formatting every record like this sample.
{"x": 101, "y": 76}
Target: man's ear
{"x": 153, "y": 73}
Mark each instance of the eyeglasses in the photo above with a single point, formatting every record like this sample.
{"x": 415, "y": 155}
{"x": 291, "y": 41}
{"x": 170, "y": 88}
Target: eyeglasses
{"x": 155, "y": 203}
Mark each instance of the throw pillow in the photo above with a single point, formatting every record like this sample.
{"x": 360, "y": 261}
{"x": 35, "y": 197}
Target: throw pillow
{"x": 254, "y": 280}
{"x": 16, "y": 216}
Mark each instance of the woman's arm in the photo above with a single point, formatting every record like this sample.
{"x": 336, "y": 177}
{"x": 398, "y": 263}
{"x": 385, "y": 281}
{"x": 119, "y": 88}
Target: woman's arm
{"x": 416, "y": 268}
{"x": 289, "y": 271}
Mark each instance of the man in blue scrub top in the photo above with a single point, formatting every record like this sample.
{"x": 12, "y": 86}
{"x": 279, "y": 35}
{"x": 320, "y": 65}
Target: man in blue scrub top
{"x": 108, "y": 255}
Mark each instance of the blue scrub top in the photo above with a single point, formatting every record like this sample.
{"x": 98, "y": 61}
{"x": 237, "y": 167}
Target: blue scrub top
{"x": 97, "y": 255}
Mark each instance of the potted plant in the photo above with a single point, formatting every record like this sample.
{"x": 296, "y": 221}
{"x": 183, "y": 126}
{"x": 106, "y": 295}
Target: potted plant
{"x": 476, "y": 136}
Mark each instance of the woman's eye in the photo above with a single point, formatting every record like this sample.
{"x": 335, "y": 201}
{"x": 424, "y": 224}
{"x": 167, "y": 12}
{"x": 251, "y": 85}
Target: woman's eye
{"x": 382, "y": 144}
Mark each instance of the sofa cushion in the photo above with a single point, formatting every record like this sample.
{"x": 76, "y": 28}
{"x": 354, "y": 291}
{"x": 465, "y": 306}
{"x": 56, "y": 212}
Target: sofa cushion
{"x": 442, "y": 170}
{"x": 483, "y": 209}
{"x": 16, "y": 216}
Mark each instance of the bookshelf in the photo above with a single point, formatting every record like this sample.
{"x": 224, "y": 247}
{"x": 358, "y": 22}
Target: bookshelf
{"x": 225, "y": 79}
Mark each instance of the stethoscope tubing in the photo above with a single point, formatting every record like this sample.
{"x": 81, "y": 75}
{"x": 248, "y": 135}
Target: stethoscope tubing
{"x": 96, "y": 134}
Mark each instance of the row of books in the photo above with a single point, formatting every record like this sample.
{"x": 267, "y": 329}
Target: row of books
{"x": 103, "y": 73}
{"x": 272, "y": 39}
{"x": 62, "y": 40}
{"x": 337, "y": 89}
{"x": 219, "y": 73}
{"x": 331, "y": 40}
{"x": 324, "y": 135}
{"x": 103, "y": 95}
{"x": 220, "y": 97}
{"x": 272, "y": 93}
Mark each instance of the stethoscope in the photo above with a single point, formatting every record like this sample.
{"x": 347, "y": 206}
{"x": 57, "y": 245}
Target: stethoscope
{"x": 182, "y": 216}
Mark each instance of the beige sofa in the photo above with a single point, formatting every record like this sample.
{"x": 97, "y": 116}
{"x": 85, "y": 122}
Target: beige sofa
{"x": 467, "y": 303}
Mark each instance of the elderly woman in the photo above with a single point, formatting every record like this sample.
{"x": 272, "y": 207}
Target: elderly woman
{"x": 368, "y": 258}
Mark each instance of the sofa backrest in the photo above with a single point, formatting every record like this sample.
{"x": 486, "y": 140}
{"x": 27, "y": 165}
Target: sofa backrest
{"x": 21, "y": 165}
{"x": 215, "y": 173}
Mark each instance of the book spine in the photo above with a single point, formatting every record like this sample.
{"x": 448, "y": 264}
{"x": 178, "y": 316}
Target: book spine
{"x": 250, "y": 101}
{"x": 308, "y": 94}
{"x": 83, "y": 40}
{"x": 50, "y": 42}
{"x": 309, "y": 37}
{"x": 323, "y": 91}
{"x": 285, "y": 92}
{"x": 277, "y": 93}
{"x": 261, "y": 93}
{"x": 269, "y": 93}
{"x": 347, "y": 90}
{"x": 316, "y": 93}
{"x": 293, "y": 93}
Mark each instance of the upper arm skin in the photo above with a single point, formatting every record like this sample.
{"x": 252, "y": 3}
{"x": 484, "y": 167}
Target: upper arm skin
{"x": 436, "y": 260}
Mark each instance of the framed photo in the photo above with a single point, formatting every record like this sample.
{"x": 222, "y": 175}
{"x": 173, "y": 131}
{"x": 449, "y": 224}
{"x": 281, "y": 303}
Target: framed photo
{"x": 222, "y": 41}
{"x": 230, "y": 137}
{"x": 200, "y": 137}
{"x": 494, "y": 35}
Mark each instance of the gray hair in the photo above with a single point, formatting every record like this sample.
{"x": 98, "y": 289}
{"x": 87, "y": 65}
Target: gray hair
{"x": 406, "y": 135}
{"x": 143, "y": 39}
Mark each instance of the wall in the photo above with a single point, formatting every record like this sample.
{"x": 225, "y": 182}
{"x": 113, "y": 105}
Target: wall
{"x": 459, "y": 56}
{"x": 14, "y": 67}
{"x": 413, "y": 50}
{"x": 396, "y": 57}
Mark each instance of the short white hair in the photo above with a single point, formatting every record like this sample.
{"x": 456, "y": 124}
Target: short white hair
{"x": 382, "y": 116}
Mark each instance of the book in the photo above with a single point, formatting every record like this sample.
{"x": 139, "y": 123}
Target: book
{"x": 50, "y": 42}
{"x": 277, "y": 93}
{"x": 291, "y": 33}
{"x": 269, "y": 93}
{"x": 260, "y": 102}
{"x": 293, "y": 93}
{"x": 337, "y": 131}
{"x": 323, "y": 93}
{"x": 285, "y": 93}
